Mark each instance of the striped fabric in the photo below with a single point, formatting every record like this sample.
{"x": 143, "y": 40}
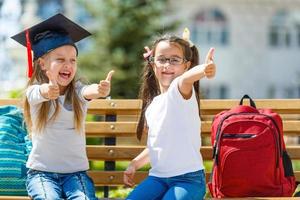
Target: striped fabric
{"x": 14, "y": 146}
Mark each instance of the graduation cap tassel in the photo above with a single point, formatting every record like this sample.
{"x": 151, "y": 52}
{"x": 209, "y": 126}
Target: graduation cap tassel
{"x": 29, "y": 56}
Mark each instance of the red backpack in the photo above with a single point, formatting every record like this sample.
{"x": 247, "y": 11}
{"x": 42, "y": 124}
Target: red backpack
{"x": 249, "y": 154}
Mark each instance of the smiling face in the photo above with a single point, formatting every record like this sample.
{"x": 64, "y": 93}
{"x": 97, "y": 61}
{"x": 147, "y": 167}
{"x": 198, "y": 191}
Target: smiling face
{"x": 62, "y": 62}
{"x": 169, "y": 63}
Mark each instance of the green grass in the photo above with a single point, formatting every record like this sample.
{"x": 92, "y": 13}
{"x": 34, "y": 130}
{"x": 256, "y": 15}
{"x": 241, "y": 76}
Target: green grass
{"x": 115, "y": 192}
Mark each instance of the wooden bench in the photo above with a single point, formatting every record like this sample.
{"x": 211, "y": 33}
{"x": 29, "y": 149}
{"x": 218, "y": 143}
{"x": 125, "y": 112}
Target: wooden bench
{"x": 118, "y": 128}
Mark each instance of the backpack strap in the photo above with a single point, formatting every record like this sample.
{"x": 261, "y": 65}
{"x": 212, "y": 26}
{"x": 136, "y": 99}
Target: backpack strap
{"x": 246, "y": 96}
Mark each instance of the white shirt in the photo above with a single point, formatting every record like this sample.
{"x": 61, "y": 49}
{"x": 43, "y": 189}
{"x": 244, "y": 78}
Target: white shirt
{"x": 174, "y": 139}
{"x": 58, "y": 148}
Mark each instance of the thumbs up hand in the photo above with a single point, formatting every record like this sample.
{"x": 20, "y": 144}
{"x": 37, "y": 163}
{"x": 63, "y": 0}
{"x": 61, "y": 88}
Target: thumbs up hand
{"x": 104, "y": 85}
{"x": 210, "y": 67}
{"x": 51, "y": 90}
{"x": 187, "y": 79}
{"x": 210, "y": 55}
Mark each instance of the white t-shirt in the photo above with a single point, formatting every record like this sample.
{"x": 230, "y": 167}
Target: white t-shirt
{"x": 174, "y": 139}
{"x": 59, "y": 148}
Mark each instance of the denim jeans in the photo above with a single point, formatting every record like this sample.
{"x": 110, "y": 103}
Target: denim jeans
{"x": 190, "y": 186}
{"x": 48, "y": 185}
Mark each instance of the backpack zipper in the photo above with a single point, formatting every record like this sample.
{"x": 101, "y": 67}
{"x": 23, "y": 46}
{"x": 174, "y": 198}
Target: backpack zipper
{"x": 217, "y": 139}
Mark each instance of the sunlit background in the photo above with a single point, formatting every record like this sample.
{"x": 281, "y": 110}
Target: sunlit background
{"x": 257, "y": 44}
{"x": 257, "y": 41}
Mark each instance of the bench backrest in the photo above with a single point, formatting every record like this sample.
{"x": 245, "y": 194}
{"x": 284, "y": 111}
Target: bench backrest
{"x": 116, "y": 122}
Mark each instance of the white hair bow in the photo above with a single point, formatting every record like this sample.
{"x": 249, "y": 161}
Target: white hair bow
{"x": 186, "y": 36}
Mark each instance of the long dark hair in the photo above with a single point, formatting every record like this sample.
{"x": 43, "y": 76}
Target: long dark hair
{"x": 150, "y": 87}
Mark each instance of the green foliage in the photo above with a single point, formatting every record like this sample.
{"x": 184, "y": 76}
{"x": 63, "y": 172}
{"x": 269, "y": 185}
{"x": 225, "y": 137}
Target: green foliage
{"x": 15, "y": 94}
{"x": 119, "y": 192}
{"x": 296, "y": 165}
{"x": 122, "y": 29}
{"x": 114, "y": 192}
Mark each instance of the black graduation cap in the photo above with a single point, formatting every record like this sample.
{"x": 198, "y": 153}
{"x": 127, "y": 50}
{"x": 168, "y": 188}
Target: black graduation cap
{"x": 50, "y": 34}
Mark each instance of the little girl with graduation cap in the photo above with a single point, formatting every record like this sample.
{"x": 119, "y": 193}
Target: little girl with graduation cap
{"x": 55, "y": 108}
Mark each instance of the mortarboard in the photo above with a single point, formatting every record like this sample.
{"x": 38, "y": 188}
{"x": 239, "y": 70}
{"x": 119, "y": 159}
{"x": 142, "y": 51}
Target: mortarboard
{"x": 48, "y": 35}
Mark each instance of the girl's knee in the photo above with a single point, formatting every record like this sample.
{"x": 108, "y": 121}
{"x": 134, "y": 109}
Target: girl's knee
{"x": 78, "y": 195}
{"x": 80, "y": 186}
{"x": 150, "y": 189}
{"x": 185, "y": 193}
{"x": 39, "y": 187}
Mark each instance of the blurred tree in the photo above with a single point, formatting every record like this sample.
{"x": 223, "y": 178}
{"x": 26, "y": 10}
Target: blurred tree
{"x": 122, "y": 29}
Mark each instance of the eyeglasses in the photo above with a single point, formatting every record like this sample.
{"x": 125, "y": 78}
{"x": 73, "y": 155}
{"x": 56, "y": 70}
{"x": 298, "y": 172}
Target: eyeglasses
{"x": 160, "y": 61}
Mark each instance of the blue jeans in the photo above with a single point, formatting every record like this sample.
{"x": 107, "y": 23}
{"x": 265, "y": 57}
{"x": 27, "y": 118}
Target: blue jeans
{"x": 189, "y": 186}
{"x": 48, "y": 185}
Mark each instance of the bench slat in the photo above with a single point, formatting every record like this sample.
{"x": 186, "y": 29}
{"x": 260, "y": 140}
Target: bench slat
{"x": 208, "y": 106}
{"x": 119, "y": 106}
{"x": 16, "y": 102}
{"x": 116, "y": 177}
{"x": 97, "y": 129}
{"x": 213, "y": 106}
{"x": 101, "y": 178}
{"x": 111, "y": 153}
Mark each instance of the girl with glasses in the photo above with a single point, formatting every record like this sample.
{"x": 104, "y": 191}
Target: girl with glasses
{"x": 170, "y": 115}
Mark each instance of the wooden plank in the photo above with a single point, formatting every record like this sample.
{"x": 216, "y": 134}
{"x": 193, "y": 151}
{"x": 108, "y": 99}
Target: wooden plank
{"x": 208, "y": 106}
{"x": 101, "y": 129}
{"x": 16, "y": 102}
{"x": 100, "y": 106}
{"x": 115, "y": 106}
{"x": 96, "y": 129}
{"x": 101, "y": 178}
{"x": 111, "y": 153}
{"x": 291, "y": 127}
{"x": 119, "y": 153}
{"x": 116, "y": 177}
{"x": 213, "y": 106}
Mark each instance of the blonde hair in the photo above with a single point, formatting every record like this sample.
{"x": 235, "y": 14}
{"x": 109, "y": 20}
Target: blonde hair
{"x": 39, "y": 77}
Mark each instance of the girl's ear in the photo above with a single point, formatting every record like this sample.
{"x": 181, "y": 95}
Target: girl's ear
{"x": 187, "y": 65}
{"x": 42, "y": 63}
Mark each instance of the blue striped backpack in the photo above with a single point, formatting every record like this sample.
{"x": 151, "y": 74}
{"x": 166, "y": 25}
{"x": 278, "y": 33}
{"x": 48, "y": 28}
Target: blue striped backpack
{"x": 14, "y": 150}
